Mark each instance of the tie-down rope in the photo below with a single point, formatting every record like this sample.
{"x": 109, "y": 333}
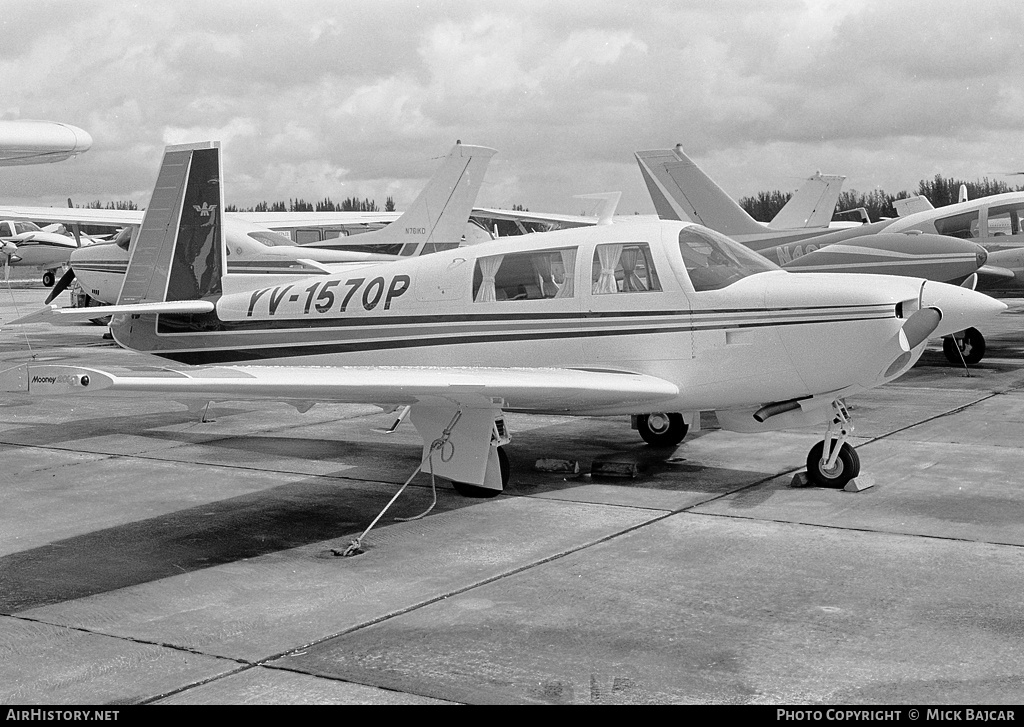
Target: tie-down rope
{"x": 355, "y": 547}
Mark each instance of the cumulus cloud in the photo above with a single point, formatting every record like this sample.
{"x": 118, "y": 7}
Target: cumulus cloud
{"x": 317, "y": 98}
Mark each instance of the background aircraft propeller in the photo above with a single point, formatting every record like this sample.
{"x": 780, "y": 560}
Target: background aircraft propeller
{"x": 65, "y": 280}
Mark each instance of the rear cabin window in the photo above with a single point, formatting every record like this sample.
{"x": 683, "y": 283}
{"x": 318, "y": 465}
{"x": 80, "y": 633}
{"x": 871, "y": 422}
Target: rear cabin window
{"x": 1005, "y": 219}
{"x": 623, "y": 268}
{"x": 536, "y": 275}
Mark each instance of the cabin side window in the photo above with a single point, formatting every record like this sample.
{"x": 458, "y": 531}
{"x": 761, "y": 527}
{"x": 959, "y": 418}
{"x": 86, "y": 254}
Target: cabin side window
{"x": 1005, "y": 219}
{"x": 964, "y": 225}
{"x": 536, "y": 275}
{"x": 623, "y": 268}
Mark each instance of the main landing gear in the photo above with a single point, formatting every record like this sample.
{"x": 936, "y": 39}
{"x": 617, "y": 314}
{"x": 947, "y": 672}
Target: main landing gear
{"x": 833, "y": 462}
{"x": 966, "y": 347}
{"x": 49, "y": 278}
{"x": 467, "y": 490}
{"x": 661, "y": 429}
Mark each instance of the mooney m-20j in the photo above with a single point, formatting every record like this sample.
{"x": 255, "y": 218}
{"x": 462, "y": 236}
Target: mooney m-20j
{"x": 660, "y": 320}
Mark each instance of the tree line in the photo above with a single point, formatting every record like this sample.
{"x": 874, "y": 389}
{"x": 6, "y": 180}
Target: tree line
{"x": 351, "y": 204}
{"x": 940, "y": 191}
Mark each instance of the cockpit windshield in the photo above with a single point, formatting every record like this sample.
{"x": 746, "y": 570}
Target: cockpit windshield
{"x": 20, "y": 227}
{"x": 713, "y": 261}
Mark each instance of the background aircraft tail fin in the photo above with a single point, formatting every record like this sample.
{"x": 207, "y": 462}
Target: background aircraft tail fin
{"x": 812, "y": 205}
{"x": 437, "y": 219}
{"x": 179, "y": 251}
{"x": 680, "y": 190}
{"x": 910, "y": 205}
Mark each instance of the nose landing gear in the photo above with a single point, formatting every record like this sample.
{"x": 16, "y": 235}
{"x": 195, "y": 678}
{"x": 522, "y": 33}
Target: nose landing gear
{"x": 832, "y": 462}
{"x": 966, "y": 347}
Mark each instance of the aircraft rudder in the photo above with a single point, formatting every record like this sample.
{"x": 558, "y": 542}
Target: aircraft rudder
{"x": 179, "y": 251}
{"x": 691, "y": 191}
{"x": 440, "y": 212}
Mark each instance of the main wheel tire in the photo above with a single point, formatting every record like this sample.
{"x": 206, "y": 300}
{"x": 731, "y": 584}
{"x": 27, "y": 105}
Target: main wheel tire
{"x": 971, "y": 346}
{"x": 467, "y": 490}
{"x": 662, "y": 430}
{"x": 48, "y": 279}
{"x": 846, "y": 468}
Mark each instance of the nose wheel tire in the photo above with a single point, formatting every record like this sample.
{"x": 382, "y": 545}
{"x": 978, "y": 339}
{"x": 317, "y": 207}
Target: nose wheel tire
{"x": 467, "y": 490}
{"x": 966, "y": 347}
{"x": 662, "y": 430}
{"x": 847, "y": 466}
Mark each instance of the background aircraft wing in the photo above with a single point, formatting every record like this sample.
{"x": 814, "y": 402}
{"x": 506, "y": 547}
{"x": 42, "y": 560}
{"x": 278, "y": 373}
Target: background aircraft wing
{"x": 483, "y": 214}
{"x": 73, "y": 215}
{"x": 514, "y": 389}
{"x": 275, "y": 220}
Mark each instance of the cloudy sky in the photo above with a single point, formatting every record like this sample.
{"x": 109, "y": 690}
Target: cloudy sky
{"x": 339, "y": 98}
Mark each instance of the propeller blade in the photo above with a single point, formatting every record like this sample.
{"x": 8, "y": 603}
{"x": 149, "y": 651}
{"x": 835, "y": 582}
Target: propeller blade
{"x": 920, "y": 325}
{"x": 65, "y": 280}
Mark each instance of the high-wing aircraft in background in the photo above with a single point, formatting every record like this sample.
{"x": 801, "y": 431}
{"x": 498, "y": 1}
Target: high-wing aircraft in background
{"x": 659, "y": 320}
{"x": 24, "y": 141}
{"x": 258, "y": 256}
{"x": 681, "y": 190}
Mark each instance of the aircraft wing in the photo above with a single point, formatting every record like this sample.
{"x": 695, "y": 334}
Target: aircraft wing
{"x": 562, "y": 221}
{"x": 73, "y": 215}
{"x": 275, "y": 220}
{"x": 514, "y": 389}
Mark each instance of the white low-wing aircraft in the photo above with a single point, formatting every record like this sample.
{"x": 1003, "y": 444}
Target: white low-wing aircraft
{"x": 660, "y": 320}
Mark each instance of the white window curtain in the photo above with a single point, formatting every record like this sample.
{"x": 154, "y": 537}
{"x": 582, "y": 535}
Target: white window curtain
{"x": 608, "y": 255}
{"x": 488, "y": 269}
{"x": 569, "y": 266}
{"x": 542, "y": 266}
{"x": 630, "y": 280}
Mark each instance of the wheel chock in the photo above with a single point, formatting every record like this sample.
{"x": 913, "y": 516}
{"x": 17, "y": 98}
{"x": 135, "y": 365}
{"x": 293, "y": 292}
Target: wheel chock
{"x": 561, "y": 466}
{"x": 609, "y": 468}
{"x": 859, "y": 483}
{"x": 800, "y": 479}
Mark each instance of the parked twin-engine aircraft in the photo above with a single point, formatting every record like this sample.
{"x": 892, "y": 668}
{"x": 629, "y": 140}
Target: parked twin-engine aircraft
{"x": 681, "y": 190}
{"x": 661, "y": 320}
{"x": 24, "y": 141}
{"x": 27, "y": 244}
{"x": 435, "y": 220}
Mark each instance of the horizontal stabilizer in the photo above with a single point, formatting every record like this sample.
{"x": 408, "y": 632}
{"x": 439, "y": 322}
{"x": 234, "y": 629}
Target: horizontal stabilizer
{"x": 53, "y": 314}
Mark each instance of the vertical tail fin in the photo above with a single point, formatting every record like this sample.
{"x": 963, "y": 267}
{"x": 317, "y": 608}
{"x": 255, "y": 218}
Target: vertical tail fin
{"x": 812, "y": 205}
{"x": 179, "y": 251}
{"x": 437, "y": 219}
{"x": 682, "y": 191}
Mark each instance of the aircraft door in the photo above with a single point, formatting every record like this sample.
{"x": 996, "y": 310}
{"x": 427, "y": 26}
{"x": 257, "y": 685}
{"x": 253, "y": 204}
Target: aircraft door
{"x": 636, "y": 318}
